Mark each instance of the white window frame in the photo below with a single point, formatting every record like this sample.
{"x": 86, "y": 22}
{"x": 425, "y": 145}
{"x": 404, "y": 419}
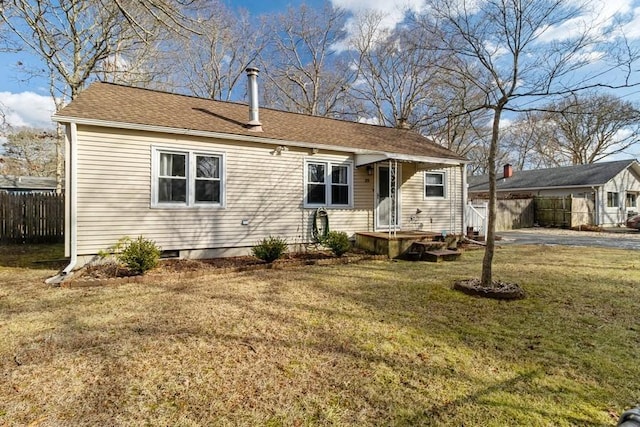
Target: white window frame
{"x": 631, "y": 195}
{"x": 444, "y": 185}
{"x": 328, "y": 164}
{"x": 191, "y": 178}
{"x": 615, "y": 199}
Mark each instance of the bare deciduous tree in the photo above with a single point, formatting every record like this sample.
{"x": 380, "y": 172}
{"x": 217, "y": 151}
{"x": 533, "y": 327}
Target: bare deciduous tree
{"x": 74, "y": 39}
{"x": 396, "y": 74}
{"x": 144, "y": 16}
{"x": 588, "y": 128}
{"x": 527, "y": 143}
{"x": 212, "y": 60}
{"x": 450, "y": 124}
{"x": 30, "y": 152}
{"x": 506, "y": 49}
{"x": 302, "y": 70}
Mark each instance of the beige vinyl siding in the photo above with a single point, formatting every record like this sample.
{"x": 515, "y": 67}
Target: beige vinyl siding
{"x": 265, "y": 188}
{"x": 436, "y": 215}
{"x": 620, "y": 184}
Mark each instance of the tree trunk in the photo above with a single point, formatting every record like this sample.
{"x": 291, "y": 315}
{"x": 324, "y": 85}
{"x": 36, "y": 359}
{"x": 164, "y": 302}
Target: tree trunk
{"x": 487, "y": 261}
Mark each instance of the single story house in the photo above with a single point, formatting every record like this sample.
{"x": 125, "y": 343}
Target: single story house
{"x": 205, "y": 178}
{"x": 612, "y": 186}
{"x": 27, "y": 184}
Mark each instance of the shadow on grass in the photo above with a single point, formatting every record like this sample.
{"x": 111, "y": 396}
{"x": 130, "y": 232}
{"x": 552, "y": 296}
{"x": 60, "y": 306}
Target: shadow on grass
{"x": 39, "y": 257}
{"x": 371, "y": 344}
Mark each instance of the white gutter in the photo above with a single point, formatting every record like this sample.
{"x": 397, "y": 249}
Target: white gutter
{"x": 71, "y": 194}
{"x": 379, "y": 156}
{"x": 533, "y": 188}
{"x": 367, "y": 156}
{"x": 463, "y": 170}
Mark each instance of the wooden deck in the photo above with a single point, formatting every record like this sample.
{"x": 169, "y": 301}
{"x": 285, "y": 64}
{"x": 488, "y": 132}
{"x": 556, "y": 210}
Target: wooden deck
{"x": 401, "y": 244}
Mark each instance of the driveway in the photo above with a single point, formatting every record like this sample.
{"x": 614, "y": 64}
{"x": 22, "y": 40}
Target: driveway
{"x": 613, "y": 238}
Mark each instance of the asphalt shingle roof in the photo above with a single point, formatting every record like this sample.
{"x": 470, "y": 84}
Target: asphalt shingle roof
{"x": 122, "y": 104}
{"x": 569, "y": 176}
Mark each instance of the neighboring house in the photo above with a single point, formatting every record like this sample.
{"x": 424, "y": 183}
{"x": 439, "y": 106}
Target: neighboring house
{"x": 201, "y": 180}
{"x": 613, "y": 186}
{"x": 27, "y": 184}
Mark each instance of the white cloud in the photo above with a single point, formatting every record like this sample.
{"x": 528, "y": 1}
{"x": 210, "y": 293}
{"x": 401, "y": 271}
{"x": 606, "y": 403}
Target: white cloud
{"x": 392, "y": 11}
{"x": 600, "y": 15}
{"x": 392, "y": 7}
{"x": 504, "y": 123}
{"x": 632, "y": 28}
{"x": 27, "y": 109}
{"x": 369, "y": 120}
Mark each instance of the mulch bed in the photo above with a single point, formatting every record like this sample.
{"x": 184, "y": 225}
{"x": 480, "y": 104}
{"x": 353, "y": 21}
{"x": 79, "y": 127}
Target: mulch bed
{"x": 498, "y": 290}
{"x": 111, "y": 273}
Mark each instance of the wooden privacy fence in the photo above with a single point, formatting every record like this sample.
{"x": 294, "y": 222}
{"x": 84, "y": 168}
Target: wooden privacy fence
{"x": 564, "y": 211}
{"x": 512, "y": 214}
{"x": 31, "y": 218}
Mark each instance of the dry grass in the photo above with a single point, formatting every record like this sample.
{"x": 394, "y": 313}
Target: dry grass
{"x": 379, "y": 343}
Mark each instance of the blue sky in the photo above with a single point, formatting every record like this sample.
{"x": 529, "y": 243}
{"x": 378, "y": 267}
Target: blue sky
{"x": 28, "y": 103}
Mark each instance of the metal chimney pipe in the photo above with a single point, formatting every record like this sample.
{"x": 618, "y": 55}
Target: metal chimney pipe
{"x": 254, "y": 118}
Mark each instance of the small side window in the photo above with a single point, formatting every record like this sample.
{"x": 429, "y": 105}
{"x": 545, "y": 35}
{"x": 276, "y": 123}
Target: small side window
{"x": 434, "y": 185}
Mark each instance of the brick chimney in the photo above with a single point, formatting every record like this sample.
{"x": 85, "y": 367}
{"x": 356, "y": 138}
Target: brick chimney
{"x": 508, "y": 171}
{"x": 252, "y": 89}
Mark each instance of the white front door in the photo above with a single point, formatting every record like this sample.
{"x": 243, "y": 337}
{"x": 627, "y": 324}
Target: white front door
{"x": 387, "y": 203}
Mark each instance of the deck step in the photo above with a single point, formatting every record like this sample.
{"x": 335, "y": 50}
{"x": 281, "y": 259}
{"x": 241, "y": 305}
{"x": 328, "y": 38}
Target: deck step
{"x": 430, "y": 251}
{"x": 428, "y": 245}
{"x": 441, "y": 255}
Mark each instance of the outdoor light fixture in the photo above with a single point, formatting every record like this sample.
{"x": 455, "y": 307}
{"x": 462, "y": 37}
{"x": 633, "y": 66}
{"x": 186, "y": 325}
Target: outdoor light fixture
{"x": 369, "y": 170}
{"x": 279, "y": 149}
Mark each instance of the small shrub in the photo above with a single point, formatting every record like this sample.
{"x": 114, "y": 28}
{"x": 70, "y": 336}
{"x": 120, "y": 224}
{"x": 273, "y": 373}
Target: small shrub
{"x": 338, "y": 242}
{"x": 139, "y": 255}
{"x": 270, "y": 249}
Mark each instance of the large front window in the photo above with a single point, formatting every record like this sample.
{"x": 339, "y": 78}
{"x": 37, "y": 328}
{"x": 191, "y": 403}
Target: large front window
{"x": 613, "y": 199}
{"x": 187, "y": 179}
{"x": 328, "y": 184}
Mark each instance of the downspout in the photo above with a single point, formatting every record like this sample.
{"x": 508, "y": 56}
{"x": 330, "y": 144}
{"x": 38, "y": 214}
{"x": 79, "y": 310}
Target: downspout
{"x": 596, "y": 206}
{"x": 71, "y": 194}
{"x": 465, "y": 194}
{"x": 451, "y": 202}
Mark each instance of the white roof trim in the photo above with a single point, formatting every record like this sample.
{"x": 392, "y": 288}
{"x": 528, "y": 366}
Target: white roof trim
{"x": 558, "y": 187}
{"x": 365, "y": 159}
{"x": 378, "y": 155}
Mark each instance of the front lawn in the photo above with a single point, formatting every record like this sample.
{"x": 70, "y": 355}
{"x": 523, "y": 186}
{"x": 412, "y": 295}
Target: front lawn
{"x": 377, "y": 343}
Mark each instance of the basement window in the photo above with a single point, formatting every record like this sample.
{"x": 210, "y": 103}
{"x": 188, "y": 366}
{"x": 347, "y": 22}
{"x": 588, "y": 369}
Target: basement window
{"x": 613, "y": 199}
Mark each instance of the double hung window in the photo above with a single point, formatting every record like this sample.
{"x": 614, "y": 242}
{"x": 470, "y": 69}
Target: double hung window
{"x": 434, "y": 185}
{"x": 187, "y": 179}
{"x": 328, "y": 184}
